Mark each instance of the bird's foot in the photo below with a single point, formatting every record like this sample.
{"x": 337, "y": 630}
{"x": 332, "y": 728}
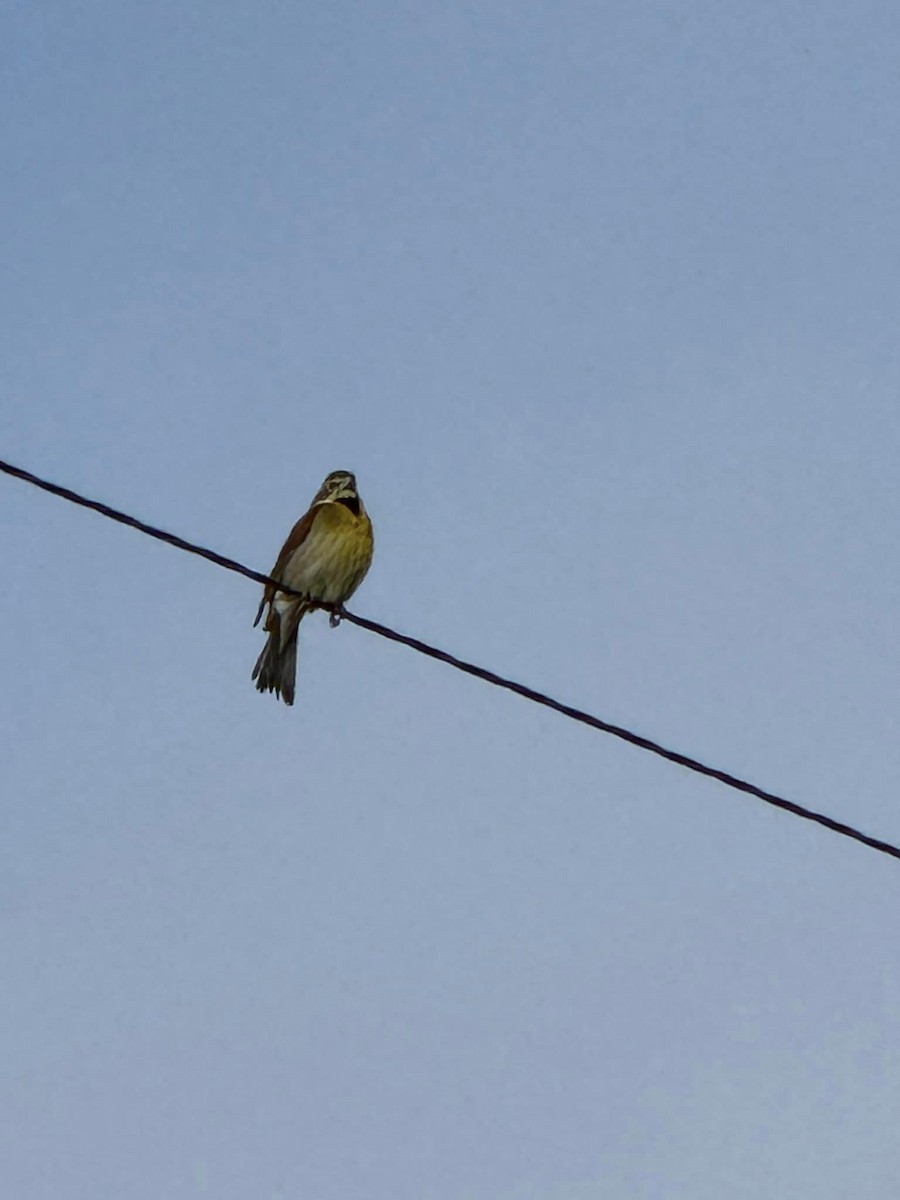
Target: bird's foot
{"x": 336, "y": 616}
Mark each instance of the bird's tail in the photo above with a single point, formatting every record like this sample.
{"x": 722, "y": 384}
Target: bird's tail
{"x": 276, "y": 667}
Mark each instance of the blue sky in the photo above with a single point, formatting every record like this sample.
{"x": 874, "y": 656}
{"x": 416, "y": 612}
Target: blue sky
{"x": 600, "y": 302}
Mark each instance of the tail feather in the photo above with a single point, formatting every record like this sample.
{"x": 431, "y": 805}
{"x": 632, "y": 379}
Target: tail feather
{"x": 276, "y": 667}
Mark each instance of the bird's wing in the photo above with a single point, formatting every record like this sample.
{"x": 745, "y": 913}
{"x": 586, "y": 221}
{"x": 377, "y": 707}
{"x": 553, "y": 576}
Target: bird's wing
{"x": 295, "y": 540}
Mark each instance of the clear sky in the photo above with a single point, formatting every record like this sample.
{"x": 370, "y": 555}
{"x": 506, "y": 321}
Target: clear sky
{"x": 600, "y": 301}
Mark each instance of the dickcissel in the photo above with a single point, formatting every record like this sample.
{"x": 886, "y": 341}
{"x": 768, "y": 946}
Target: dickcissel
{"x": 325, "y": 557}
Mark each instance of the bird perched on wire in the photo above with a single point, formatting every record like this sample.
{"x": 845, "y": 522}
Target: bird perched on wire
{"x": 325, "y": 558}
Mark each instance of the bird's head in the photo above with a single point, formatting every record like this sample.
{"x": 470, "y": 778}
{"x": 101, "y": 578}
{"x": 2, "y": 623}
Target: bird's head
{"x": 338, "y": 486}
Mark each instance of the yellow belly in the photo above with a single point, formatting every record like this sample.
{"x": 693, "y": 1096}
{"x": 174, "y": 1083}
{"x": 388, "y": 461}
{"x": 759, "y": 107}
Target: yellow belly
{"x": 334, "y": 556}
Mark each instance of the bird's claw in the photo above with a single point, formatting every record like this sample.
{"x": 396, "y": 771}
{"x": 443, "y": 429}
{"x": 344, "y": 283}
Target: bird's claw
{"x": 335, "y": 616}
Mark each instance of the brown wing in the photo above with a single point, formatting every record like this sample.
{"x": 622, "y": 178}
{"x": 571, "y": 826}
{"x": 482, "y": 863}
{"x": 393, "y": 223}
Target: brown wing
{"x": 295, "y": 539}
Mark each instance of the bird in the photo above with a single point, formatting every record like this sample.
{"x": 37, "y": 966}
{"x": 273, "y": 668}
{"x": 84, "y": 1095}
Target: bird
{"x": 324, "y": 559}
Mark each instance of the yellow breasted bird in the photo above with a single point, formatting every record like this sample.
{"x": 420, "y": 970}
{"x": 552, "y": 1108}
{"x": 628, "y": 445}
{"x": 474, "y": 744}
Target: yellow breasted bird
{"x": 325, "y": 557}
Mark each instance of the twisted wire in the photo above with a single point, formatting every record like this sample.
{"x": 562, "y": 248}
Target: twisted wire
{"x": 487, "y": 676}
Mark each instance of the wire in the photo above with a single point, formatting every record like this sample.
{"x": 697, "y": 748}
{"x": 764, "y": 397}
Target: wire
{"x": 567, "y": 710}
{"x": 115, "y": 514}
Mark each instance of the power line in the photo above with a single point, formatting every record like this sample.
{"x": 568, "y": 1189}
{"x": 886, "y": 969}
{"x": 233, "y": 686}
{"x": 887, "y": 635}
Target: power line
{"x": 567, "y": 710}
{"x": 115, "y": 514}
